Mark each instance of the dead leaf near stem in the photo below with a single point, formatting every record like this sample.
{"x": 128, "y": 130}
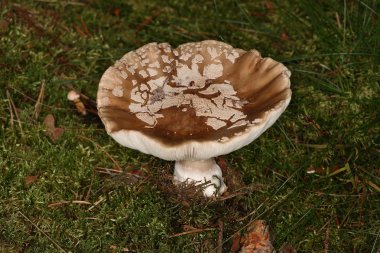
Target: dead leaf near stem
{"x": 28, "y": 180}
{"x": 53, "y": 132}
{"x": 257, "y": 239}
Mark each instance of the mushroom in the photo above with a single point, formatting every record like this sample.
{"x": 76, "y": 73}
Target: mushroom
{"x": 74, "y": 96}
{"x": 191, "y": 104}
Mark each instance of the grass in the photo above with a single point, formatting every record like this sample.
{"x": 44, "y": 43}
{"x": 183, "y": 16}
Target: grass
{"x": 52, "y": 197}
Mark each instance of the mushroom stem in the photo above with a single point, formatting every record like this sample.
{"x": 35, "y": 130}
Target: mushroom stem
{"x": 200, "y": 172}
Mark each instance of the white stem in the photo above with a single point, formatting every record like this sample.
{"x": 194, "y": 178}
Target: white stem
{"x": 200, "y": 172}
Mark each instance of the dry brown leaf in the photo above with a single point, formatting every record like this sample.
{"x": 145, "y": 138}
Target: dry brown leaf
{"x": 49, "y": 123}
{"x": 57, "y": 133}
{"x": 114, "y": 248}
{"x": 28, "y": 180}
{"x": 53, "y": 132}
{"x": 235, "y": 243}
{"x": 4, "y": 26}
{"x": 257, "y": 239}
{"x": 287, "y": 248}
{"x": 284, "y": 36}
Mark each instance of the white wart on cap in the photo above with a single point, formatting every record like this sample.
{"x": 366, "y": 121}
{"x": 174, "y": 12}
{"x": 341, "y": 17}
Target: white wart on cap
{"x": 192, "y": 103}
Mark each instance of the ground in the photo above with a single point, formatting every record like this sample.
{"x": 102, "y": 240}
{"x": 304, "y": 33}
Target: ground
{"x": 314, "y": 177}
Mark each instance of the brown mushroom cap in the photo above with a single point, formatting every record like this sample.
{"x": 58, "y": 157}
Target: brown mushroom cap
{"x": 200, "y": 93}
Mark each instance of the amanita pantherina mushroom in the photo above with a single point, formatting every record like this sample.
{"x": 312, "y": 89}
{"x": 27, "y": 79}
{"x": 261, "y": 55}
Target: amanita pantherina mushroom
{"x": 192, "y": 103}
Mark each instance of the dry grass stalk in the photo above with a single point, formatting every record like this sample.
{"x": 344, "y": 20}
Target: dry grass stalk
{"x": 40, "y": 230}
{"x": 13, "y": 108}
{"x": 40, "y": 100}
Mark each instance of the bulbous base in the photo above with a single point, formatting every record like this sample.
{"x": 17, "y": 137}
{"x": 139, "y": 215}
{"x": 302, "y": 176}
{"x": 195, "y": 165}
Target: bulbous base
{"x": 200, "y": 172}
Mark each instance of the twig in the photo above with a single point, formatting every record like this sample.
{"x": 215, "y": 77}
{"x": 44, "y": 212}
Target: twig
{"x": 197, "y": 230}
{"x": 58, "y": 203}
{"x": 13, "y": 107}
{"x": 80, "y": 202}
{"x": 40, "y": 100}
{"x": 374, "y": 243}
{"x": 338, "y": 20}
{"x": 84, "y": 26}
{"x": 65, "y": 3}
{"x": 108, "y": 171}
{"x": 326, "y": 242}
{"x": 89, "y": 189}
{"x": 80, "y": 31}
{"x": 220, "y": 237}
{"x": 101, "y": 199}
{"x": 101, "y": 149}
{"x": 10, "y": 111}
{"x": 50, "y": 239}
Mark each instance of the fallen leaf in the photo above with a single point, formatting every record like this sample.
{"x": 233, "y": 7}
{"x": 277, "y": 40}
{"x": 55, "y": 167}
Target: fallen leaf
{"x": 284, "y": 36}
{"x": 136, "y": 172}
{"x": 51, "y": 131}
{"x": 147, "y": 21}
{"x": 287, "y": 248}
{"x": 57, "y": 133}
{"x": 113, "y": 248}
{"x": 257, "y": 239}
{"x": 269, "y": 5}
{"x": 49, "y": 123}
{"x": 4, "y": 26}
{"x": 116, "y": 12}
{"x": 28, "y": 180}
{"x": 235, "y": 243}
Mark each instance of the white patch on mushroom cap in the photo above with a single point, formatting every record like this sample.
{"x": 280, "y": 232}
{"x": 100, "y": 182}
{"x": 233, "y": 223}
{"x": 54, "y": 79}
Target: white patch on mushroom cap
{"x": 146, "y": 117}
{"x": 167, "y": 69}
{"x": 213, "y": 71}
{"x": 185, "y": 57}
{"x": 239, "y": 123}
{"x": 132, "y": 69}
{"x": 144, "y": 87}
{"x": 118, "y": 91}
{"x": 186, "y": 75}
{"x": 215, "y": 123}
{"x": 123, "y": 74}
{"x": 165, "y": 59}
{"x": 223, "y": 139}
{"x": 154, "y": 64}
{"x": 137, "y": 108}
{"x": 143, "y": 73}
{"x": 105, "y": 101}
{"x": 213, "y": 52}
{"x": 154, "y": 107}
{"x": 232, "y": 56}
{"x": 154, "y": 83}
{"x": 152, "y": 72}
{"x": 197, "y": 59}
